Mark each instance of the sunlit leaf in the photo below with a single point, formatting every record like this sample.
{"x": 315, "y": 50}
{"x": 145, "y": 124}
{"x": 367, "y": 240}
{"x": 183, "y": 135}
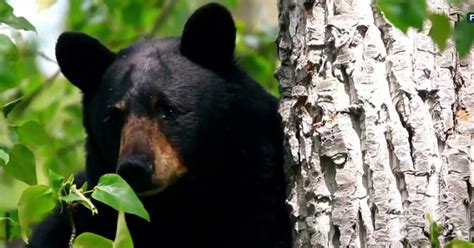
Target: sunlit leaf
{"x": 458, "y": 243}
{"x": 35, "y": 204}
{"x": 44, "y": 4}
{"x": 22, "y": 164}
{"x": 84, "y": 187}
{"x": 435, "y": 232}
{"x": 123, "y": 239}
{"x": 7, "y": 17}
{"x": 404, "y": 13}
{"x": 440, "y": 30}
{"x": 91, "y": 240}
{"x": 4, "y": 157}
{"x": 115, "y": 192}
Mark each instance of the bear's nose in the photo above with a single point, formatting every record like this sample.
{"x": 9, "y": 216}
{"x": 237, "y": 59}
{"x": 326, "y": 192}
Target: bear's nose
{"x": 137, "y": 171}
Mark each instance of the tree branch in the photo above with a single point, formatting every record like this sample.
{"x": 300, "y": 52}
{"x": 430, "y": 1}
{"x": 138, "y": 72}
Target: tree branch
{"x": 73, "y": 226}
{"x": 46, "y": 57}
{"x": 162, "y": 18}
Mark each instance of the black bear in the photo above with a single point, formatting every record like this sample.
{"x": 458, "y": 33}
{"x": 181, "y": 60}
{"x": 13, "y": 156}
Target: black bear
{"x": 198, "y": 140}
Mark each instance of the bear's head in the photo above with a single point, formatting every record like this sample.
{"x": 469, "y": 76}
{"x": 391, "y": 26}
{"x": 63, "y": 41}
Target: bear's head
{"x": 155, "y": 110}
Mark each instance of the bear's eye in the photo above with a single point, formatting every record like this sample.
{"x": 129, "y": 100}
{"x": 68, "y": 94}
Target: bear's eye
{"x": 165, "y": 111}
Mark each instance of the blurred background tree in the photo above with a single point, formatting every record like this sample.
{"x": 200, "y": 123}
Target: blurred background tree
{"x": 41, "y": 112}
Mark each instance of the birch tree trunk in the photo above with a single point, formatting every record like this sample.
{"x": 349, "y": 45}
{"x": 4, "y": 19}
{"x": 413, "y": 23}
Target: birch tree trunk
{"x": 379, "y": 127}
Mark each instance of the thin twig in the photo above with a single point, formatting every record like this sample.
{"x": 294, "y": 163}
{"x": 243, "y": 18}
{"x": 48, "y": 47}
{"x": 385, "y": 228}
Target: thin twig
{"x": 73, "y": 226}
{"x": 32, "y": 52}
{"x": 162, "y": 18}
{"x": 46, "y": 57}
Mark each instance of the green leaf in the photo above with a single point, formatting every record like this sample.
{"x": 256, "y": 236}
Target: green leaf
{"x": 115, "y": 192}
{"x": 464, "y": 37}
{"x": 435, "y": 232}
{"x": 55, "y": 181}
{"x": 123, "y": 239}
{"x": 35, "y": 204}
{"x": 404, "y": 13}
{"x": 4, "y": 157}
{"x": 7, "y": 17}
{"x": 32, "y": 134}
{"x": 18, "y": 23}
{"x": 22, "y": 164}
{"x": 84, "y": 187}
{"x": 8, "y": 68}
{"x": 91, "y": 240}
{"x": 8, "y": 48}
{"x": 458, "y": 243}
{"x": 8, "y": 107}
{"x": 440, "y": 29}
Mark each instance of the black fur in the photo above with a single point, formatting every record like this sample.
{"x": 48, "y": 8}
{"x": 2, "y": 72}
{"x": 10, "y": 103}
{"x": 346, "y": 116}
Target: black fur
{"x": 224, "y": 125}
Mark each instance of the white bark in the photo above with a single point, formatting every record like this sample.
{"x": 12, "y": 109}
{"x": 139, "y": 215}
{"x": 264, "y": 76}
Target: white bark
{"x": 378, "y": 127}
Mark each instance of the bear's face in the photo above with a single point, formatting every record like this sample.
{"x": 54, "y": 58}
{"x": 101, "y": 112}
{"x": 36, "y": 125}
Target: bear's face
{"x": 147, "y": 109}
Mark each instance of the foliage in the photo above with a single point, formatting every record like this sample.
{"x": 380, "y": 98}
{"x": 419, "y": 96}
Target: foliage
{"x": 7, "y": 17}
{"x": 37, "y": 201}
{"x": 115, "y": 192}
{"x": 435, "y": 232}
{"x": 41, "y": 132}
{"x": 404, "y": 14}
{"x": 123, "y": 238}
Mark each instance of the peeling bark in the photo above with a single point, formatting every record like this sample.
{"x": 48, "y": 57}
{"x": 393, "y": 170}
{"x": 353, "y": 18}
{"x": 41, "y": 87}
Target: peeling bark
{"x": 378, "y": 126}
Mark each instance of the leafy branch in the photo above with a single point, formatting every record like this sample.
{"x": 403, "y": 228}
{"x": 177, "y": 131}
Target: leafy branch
{"x": 43, "y": 196}
{"x": 435, "y": 232}
{"x": 405, "y": 14}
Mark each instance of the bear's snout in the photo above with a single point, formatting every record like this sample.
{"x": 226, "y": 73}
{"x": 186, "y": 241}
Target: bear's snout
{"x": 137, "y": 170}
{"x": 146, "y": 157}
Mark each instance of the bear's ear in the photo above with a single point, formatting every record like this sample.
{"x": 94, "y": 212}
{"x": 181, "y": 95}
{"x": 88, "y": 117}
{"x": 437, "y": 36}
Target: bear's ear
{"x": 209, "y": 37}
{"x": 82, "y": 59}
